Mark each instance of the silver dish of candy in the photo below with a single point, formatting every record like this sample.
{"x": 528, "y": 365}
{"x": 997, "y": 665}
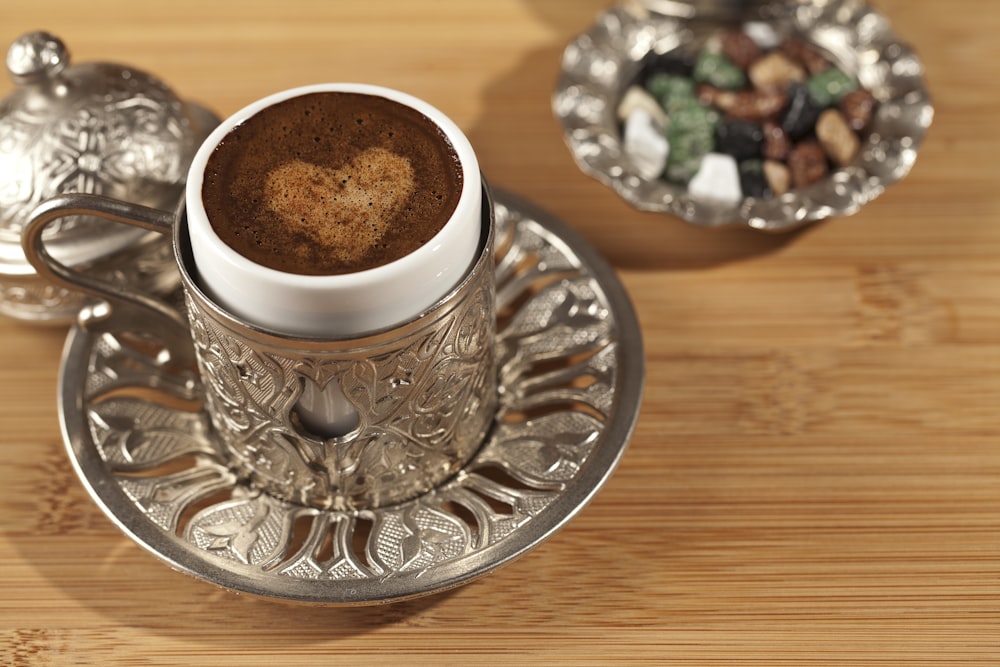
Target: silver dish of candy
{"x": 763, "y": 114}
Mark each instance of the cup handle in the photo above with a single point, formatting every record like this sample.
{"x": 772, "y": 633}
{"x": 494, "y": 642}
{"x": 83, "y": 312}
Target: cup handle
{"x": 130, "y": 309}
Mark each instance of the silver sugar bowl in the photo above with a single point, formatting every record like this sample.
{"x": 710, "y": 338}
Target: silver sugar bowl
{"x": 95, "y": 128}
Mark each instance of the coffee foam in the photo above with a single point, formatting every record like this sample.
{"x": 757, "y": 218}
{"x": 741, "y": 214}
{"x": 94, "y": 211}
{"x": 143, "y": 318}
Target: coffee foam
{"x": 347, "y": 210}
{"x": 329, "y": 183}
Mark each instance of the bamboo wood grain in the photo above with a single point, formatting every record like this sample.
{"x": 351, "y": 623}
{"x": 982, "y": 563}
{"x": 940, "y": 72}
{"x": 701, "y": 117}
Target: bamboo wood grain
{"x": 815, "y": 477}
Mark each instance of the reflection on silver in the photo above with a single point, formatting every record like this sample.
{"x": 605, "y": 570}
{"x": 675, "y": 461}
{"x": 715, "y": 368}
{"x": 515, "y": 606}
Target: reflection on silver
{"x": 855, "y": 36}
{"x": 95, "y": 128}
{"x": 570, "y": 364}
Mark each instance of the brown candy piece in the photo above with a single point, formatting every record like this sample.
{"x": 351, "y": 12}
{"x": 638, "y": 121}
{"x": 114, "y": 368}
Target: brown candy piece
{"x": 709, "y": 95}
{"x": 807, "y": 163}
{"x": 776, "y": 142}
{"x": 755, "y": 105}
{"x": 801, "y": 51}
{"x": 858, "y": 107}
{"x": 775, "y": 70}
{"x": 778, "y": 177}
{"x": 739, "y": 48}
{"x": 836, "y": 137}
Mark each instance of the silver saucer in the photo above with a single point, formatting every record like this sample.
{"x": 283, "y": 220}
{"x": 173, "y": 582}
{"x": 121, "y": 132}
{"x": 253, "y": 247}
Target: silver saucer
{"x": 571, "y": 377}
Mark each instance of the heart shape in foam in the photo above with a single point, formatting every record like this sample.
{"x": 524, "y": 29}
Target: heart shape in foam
{"x": 347, "y": 209}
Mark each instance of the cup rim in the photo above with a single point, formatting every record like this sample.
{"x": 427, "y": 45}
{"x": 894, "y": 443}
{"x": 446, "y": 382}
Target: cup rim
{"x": 184, "y": 260}
{"x": 398, "y": 268}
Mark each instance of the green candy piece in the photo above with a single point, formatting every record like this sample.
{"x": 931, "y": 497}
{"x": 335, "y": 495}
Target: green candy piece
{"x": 691, "y": 132}
{"x": 718, "y": 70}
{"x": 667, "y": 88}
{"x": 830, "y": 85}
{"x": 687, "y": 115}
{"x": 686, "y": 154}
{"x": 691, "y": 136}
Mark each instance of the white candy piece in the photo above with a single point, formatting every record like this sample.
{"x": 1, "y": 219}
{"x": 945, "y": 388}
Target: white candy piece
{"x": 763, "y": 34}
{"x": 637, "y": 97}
{"x": 717, "y": 180}
{"x": 645, "y": 144}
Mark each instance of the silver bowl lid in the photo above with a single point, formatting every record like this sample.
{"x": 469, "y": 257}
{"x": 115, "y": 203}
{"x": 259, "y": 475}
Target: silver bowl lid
{"x": 95, "y": 128}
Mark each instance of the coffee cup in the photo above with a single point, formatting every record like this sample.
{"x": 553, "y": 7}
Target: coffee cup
{"x": 427, "y": 159}
{"x": 345, "y": 364}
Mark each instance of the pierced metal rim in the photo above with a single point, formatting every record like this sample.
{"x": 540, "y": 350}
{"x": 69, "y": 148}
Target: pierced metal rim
{"x": 187, "y": 559}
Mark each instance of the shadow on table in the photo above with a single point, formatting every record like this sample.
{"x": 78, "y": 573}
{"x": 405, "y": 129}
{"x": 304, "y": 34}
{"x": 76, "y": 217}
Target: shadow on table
{"x": 521, "y": 149}
{"x": 92, "y": 570}
{"x": 110, "y": 577}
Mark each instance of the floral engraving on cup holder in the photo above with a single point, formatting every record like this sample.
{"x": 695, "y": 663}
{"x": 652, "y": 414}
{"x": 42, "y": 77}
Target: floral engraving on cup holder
{"x": 423, "y": 400}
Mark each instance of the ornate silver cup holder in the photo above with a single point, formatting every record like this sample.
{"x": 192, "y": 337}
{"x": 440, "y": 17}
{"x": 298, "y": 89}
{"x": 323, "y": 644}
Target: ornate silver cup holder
{"x": 571, "y": 378}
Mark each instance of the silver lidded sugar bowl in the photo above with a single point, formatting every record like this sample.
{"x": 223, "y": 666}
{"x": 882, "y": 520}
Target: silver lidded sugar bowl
{"x": 95, "y": 128}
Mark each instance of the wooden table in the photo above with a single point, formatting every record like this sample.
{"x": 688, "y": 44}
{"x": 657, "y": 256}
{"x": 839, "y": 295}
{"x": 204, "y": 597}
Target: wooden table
{"x": 815, "y": 475}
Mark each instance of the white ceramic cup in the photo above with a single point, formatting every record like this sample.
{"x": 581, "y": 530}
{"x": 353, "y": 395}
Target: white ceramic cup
{"x": 345, "y": 305}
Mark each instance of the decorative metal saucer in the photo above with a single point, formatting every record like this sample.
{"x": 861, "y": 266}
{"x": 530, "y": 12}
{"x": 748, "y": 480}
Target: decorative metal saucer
{"x": 571, "y": 377}
{"x": 603, "y": 61}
